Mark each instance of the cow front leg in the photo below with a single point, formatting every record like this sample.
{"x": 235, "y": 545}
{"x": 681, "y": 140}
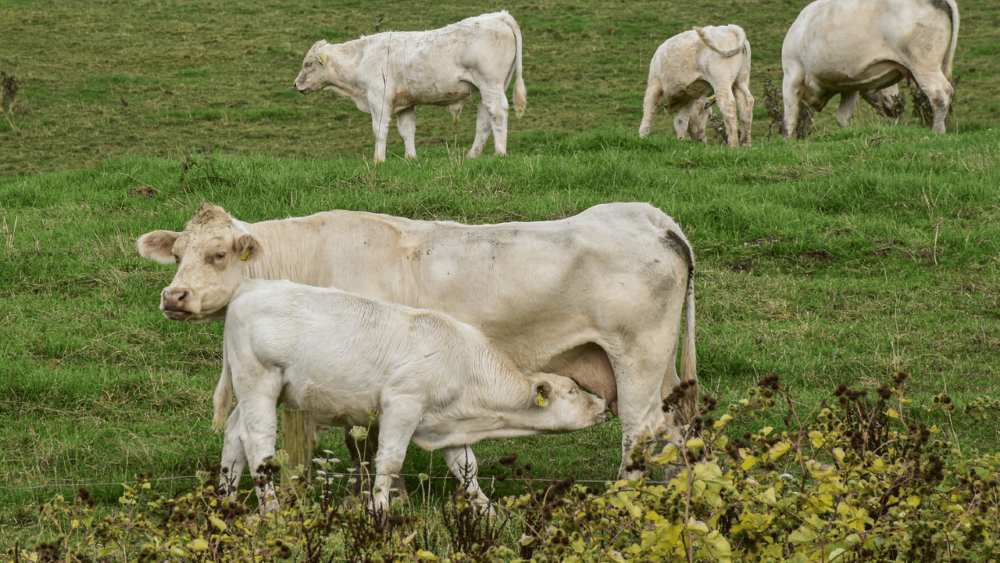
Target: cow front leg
{"x": 846, "y": 108}
{"x": 483, "y": 128}
{"x": 380, "y": 126}
{"x": 462, "y": 464}
{"x": 406, "y": 122}
{"x": 234, "y": 457}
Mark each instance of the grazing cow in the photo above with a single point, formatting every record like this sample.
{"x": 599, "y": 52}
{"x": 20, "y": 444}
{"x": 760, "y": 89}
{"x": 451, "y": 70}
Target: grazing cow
{"x": 436, "y": 381}
{"x": 391, "y": 73}
{"x": 596, "y": 297}
{"x": 845, "y": 46}
{"x": 687, "y": 68}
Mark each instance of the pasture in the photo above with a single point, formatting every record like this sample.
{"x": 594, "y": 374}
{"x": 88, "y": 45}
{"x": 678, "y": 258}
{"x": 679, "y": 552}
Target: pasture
{"x": 839, "y": 259}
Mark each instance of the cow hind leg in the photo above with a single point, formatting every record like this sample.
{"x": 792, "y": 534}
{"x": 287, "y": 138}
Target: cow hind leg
{"x": 640, "y": 411}
{"x": 462, "y": 464}
{"x": 727, "y": 107}
{"x": 744, "y": 104}
{"x": 649, "y": 107}
{"x": 791, "y": 94}
{"x": 406, "y": 122}
{"x": 483, "y": 128}
{"x": 939, "y": 91}
{"x": 846, "y": 108}
{"x": 497, "y": 106}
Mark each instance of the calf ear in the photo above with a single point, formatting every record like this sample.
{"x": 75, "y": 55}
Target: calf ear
{"x": 542, "y": 392}
{"x": 248, "y": 248}
{"x": 158, "y": 245}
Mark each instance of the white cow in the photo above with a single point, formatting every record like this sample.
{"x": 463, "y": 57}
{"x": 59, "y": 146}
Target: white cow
{"x": 844, "y": 46}
{"x": 436, "y": 381}
{"x": 596, "y": 297}
{"x": 687, "y": 68}
{"x": 391, "y": 73}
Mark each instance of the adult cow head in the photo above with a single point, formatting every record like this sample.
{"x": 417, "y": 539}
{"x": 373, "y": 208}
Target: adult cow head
{"x": 211, "y": 256}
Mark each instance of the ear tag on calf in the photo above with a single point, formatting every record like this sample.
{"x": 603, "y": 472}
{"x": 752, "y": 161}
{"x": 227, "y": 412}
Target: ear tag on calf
{"x": 322, "y": 58}
{"x": 245, "y": 253}
{"x": 541, "y": 399}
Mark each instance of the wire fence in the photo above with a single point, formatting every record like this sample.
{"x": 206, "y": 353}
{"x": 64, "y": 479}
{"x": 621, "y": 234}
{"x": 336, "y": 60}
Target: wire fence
{"x": 327, "y": 474}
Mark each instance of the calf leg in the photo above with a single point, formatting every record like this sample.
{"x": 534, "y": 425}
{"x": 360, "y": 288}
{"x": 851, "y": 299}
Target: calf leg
{"x": 483, "y": 129}
{"x": 396, "y": 426}
{"x": 234, "y": 457}
{"x": 650, "y": 103}
{"x": 462, "y": 464}
{"x": 846, "y": 108}
{"x": 406, "y": 122}
{"x": 260, "y": 419}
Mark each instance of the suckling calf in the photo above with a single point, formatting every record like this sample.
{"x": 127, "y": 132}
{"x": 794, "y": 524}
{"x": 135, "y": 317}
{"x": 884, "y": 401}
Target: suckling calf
{"x": 436, "y": 381}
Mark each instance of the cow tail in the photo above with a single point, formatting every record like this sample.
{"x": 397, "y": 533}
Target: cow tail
{"x": 688, "y": 355}
{"x": 741, "y": 37}
{"x": 950, "y": 55}
{"x": 223, "y": 392}
{"x": 520, "y": 92}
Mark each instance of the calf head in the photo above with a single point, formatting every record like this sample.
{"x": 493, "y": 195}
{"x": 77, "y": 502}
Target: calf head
{"x": 557, "y": 404}
{"x": 318, "y": 68}
{"x": 886, "y": 101}
{"x": 211, "y": 255}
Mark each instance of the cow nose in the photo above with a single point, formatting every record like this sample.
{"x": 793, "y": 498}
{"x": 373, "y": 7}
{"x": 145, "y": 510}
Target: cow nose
{"x": 175, "y": 298}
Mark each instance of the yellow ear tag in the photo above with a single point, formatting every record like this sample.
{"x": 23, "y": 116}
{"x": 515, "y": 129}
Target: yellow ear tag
{"x": 541, "y": 399}
{"x": 322, "y": 58}
{"x": 245, "y": 253}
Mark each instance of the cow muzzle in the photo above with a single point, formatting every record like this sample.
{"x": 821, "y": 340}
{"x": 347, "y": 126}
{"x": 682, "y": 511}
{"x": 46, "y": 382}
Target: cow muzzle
{"x": 175, "y": 302}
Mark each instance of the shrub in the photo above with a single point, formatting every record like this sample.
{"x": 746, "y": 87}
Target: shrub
{"x": 858, "y": 477}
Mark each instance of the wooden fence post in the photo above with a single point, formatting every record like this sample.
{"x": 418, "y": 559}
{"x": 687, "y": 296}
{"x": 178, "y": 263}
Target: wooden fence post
{"x": 297, "y": 437}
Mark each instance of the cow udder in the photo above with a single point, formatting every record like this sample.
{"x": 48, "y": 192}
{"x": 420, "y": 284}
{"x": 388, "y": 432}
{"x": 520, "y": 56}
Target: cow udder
{"x": 589, "y": 366}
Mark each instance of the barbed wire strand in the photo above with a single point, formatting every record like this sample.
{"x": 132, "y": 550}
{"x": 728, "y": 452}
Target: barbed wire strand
{"x": 327, "y": 474}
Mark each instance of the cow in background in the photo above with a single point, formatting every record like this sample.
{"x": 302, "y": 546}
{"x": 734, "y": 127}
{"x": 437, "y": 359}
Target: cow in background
{"x": 845, "y": 46}
{"x": 391, "y": 73}
{"x": 685, "y": 71}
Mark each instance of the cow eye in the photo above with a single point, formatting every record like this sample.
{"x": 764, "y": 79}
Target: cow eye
{"x": 572, "y": 391}
{"x": 220, "y": 256}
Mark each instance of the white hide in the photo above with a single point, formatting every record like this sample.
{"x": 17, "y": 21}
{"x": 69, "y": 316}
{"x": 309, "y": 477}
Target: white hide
{"x": 596, "y": 297}
{"x": 687, "y": 68}
{"x": 391, "y": 73}
{"x": 845, "y": 46}
{"x": 436, "y": 381}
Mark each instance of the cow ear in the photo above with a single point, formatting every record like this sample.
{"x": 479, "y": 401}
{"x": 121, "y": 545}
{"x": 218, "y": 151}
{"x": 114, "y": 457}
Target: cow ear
{"x": 248, "y": 248}
{"x": 542, "y": 392}
{"x": 158, "y": 245}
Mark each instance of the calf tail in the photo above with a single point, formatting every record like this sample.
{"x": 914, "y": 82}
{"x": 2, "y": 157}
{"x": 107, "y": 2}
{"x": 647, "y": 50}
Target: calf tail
{"x": 223, "y": 393}
{"x": 520, "y": 93}
{"x": 950, "y": 55}
{"x": 741, "y": 42}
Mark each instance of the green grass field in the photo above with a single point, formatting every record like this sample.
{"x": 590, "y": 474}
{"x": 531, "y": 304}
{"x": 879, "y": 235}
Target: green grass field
{"x": 839, "y": 259}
